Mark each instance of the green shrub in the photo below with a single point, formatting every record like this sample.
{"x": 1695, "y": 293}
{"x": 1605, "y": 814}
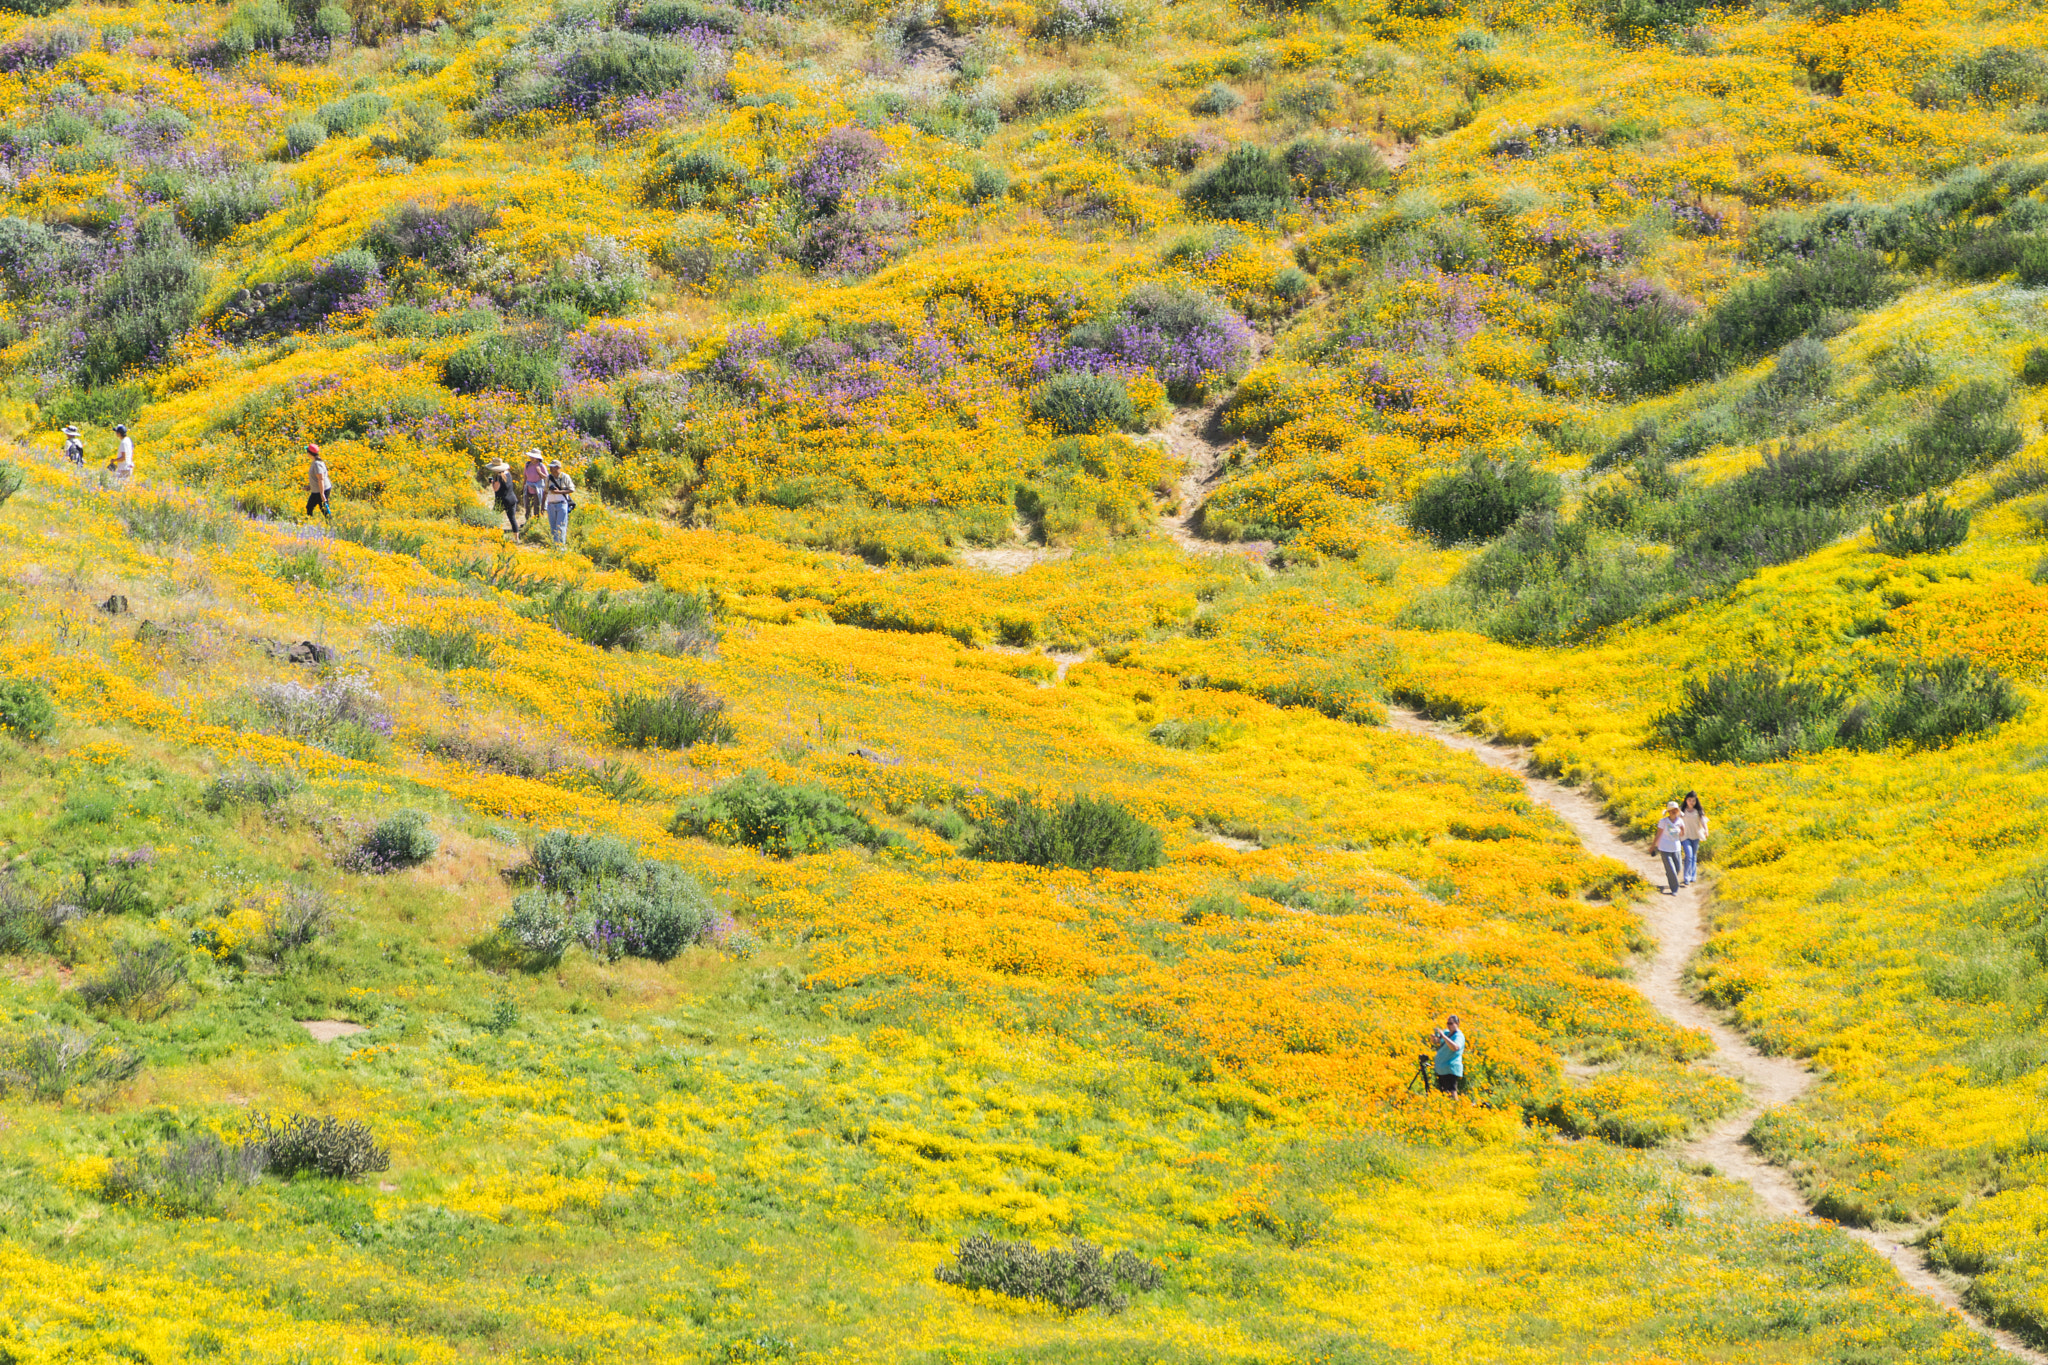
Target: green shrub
{"x": 1926, "y": 705}
{"x": 49, "y": 1061}
{"x": 1929, "y": 526}
{"x": 1081, "y": 832}
{"x": 1179, "y": 732}
{"x": 676, "y": 719}
{"x": 1054, "y": 96}
{"x": 1216, "y": 99}
{"x": 186, "y": 1179}
{"x": 541, "y": 925}
{"x": 987, "y": 183}
{"x": 255, "y": 25}
{"x": 1083, "y": 404}
{"x": 213, "y": 208}
{"x": 502, "y": 362}
{"x": 12, "y": 480}
{"x": 376, "y": 536}
{"x": 1751, "y": 714}
{"x": 785, "y": 819}
{"x": 2034, "y": 366}
{"x": 652, "y": 619}
{"x": 2029, "y": 476}
{"x": 302, "y": 137}
{"x": 340, "y": 1149}
{"x": 31, "y": 921}
{"x": 1481, "y": 499}
{"x": 1250, "y": 185}
{"x": 1967, "y": 431}
{"x": 1214, "y": 905}
{"x": 37, "y": 9}
{"x": 26, "y": 711}
{"x": 654, "y": 912}
{"x": 144, "y": 304}
{"x": 396, "y": 842}
{"x": 145, "y": 981}
{"x": 1322, "y": 169}
{"x": 352, "y": 113}
{"x": 305, "y": 567}
{"x": 1071, "y": 1281}
{"x": 1635, "y": 21}
{"x": 420, "y": 132}
{"x": 569, "y": 862}
{"x": 943, "y": 821}
{"x": 445, "y": 649}
{"x": 100, "y": 407}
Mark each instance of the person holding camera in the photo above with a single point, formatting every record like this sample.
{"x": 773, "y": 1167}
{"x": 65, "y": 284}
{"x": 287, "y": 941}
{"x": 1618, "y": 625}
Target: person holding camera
{"x": 559, "y": 496}
{"x": 1449, "y": 1042}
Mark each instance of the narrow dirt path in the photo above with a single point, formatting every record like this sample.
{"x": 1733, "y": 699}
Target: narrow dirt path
{"x": 1676, "y": 925}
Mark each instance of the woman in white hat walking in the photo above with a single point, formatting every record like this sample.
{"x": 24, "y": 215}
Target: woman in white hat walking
{"x": 1670, "y": 840}
{"x": 74, "y": 447}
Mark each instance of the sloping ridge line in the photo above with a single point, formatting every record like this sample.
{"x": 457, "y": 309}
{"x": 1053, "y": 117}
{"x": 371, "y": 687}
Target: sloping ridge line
{"x": 1675, "y": 925}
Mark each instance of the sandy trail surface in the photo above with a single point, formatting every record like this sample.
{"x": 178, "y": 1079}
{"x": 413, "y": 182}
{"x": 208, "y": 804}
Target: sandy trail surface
{"x": 1677, "y": 925}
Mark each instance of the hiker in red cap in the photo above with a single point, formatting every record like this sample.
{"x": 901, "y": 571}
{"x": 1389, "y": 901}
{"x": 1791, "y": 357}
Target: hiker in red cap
{"x": 318, "y": 485}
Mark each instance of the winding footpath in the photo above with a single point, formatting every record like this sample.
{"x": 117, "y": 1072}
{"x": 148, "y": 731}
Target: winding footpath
{"x": 1676, "y": 925}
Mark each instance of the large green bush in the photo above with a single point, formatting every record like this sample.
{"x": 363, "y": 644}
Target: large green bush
{"x": 1082, "y": 404}
{"x": 514, "y": 364}
{"x": 1079, "y": 1278}
{"x": 1751, "y": 714}
{"x": 676, "y": 719}
{"x": 785, "y": 819}
{"x": 1928, "y": 526}
{"x": 1481, "y": 498}
{"x": 1080, "y": 832}
{"x": 144, "y": 304}
{"x": 1250, "y": 185}
{"x": 653, "y": 619}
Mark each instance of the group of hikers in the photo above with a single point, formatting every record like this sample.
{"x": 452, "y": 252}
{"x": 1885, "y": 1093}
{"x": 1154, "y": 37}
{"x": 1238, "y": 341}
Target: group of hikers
{"x": 1678, "y": 837}
{"x": 542, "y": 488}
{"x": 121, "y": 468}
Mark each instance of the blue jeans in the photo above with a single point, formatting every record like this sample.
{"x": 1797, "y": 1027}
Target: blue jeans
{"x": 558, "y": 522}
{"x": 1670, "y": 867}
{"x": 1692, "y": 858}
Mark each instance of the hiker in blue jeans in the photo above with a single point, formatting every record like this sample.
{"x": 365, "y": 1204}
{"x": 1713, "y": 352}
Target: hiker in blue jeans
{"x": 1694, "y": 817}
{"x": 1670, "y": 845}
{"x": 1449, "y": 1042}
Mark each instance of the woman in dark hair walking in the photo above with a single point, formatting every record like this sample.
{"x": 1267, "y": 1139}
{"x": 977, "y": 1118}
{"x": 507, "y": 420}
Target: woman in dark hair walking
{"x": 1693, "y": 816}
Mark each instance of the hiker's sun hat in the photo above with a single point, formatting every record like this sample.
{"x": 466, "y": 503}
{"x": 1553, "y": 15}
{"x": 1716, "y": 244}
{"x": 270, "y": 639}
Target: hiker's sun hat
{"x": 1670, "y": 805}
{"x": 497, "y": 466}
{"x": 71, "y": 431}
{"x": 554, "y": 464}
{"x": 120, "y": 426}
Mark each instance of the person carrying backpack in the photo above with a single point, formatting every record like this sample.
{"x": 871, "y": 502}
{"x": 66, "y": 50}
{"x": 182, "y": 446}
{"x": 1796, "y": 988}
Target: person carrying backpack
{"x": 74, "y": 447}
{"x": 560, "y": 499}
{"x": 318, "y": 486}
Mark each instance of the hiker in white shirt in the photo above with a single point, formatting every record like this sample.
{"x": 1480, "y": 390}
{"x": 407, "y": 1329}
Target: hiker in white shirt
{"x": 559, "y": 497}
{"x": 318, "y": 485}
{"x": 122, "y": 466}
{"x": 1670, "y": 839}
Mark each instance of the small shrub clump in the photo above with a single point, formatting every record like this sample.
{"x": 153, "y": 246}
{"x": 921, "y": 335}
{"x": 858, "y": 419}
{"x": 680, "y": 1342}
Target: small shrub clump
{"x": 786, "y": 819}
{"x": 655, "y": 619}
{"x": 1079, "y": 1278}
{"x": 1757, "y": 713}
{"x": 1083, "y": 832}
{"x": 340, "y": 1149}
{"x": 187, "y": 1178}
{"x": 144, "y": 981}
{"x": 26, "y": 711}
{"x": 595, "y": 889}
{"x": 49, "y": 1061}
{"x": 395, "y": 843}
{"x": 1930, "y": 526}
{"x": 264, "y": 787}
{"x": 1250, "y": 185}
{"x": 678, "y": 719}
{"x": 31, "y": 921}
{"x": 165, "y": 522}
{"x": 1084, "y": 404}
{"x": 446, "y": 649}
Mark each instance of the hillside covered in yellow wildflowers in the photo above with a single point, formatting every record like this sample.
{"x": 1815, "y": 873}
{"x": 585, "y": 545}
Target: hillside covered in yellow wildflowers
{"x": 923, "y": 870}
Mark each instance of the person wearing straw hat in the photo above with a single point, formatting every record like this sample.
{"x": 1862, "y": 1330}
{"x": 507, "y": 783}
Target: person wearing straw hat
{"x": 1670, "y": 840}
{"x": 561, "y": 500}
{"x": 504, "y": 492}
{"x": 318, "y": 486}
{"x": 74, "y": 447}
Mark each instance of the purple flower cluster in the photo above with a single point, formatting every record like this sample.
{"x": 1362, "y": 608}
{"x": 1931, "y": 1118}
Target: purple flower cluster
{"x": 844, "y": 162}
{"x": 605, "y": 352}
{"x": 611, "y": 940}
{"x": 141, "y": 857}
{"x": 1184, "y": 339}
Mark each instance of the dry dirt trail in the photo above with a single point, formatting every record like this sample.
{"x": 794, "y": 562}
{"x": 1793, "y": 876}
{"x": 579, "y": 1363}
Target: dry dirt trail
{"x": 1675, "y": 923}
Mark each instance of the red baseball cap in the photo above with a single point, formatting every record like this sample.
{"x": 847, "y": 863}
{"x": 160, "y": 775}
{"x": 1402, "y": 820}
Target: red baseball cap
{"x": 312, "y": 450}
